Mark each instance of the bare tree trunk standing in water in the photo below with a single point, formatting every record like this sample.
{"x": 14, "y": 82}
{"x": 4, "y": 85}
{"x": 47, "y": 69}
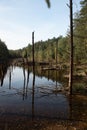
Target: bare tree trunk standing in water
{"x": 71, "y": 47}
{"x": 33, "y": 52}
{"x": 71, "y": 44}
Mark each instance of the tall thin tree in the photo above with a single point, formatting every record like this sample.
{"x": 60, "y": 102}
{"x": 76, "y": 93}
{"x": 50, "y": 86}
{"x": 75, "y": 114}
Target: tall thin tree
{"x": 33, "y": 51}
{"x": 71, "y": 47}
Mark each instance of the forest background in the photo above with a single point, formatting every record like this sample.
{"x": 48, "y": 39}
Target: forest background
{"x": 57, "y": 47}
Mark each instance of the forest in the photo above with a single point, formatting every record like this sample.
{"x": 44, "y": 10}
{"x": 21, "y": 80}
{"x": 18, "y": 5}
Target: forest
{"x": 56, "y": 48}
{"x": 4, "y": 52}
{"x": 43, "y": 86}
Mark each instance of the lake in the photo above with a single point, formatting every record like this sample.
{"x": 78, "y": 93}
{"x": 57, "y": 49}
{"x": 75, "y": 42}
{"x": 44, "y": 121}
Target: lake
{"x": 27, "y": 97}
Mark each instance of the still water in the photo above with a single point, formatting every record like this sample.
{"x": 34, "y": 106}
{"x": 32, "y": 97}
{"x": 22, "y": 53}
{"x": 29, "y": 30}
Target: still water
{"x": 26, "y": 96}
{"x": 21, "y": 90}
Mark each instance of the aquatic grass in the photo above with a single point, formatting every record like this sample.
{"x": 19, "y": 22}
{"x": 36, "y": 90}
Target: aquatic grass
{"x": 79, "y": 88}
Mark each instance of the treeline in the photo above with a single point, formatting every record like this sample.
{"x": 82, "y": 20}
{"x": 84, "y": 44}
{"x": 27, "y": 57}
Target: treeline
{"x": 4, "y": 53}
{"x": 49, "y": 50}
{"x": 58, "y": 49}
{"x": 80, "y": 33}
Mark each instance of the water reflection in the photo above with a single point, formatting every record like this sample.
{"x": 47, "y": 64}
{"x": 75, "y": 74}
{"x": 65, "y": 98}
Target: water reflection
{"x": 26, "y": 73}
{"x": 10, "y": 69}
{"x": 40, "y": 102}
{"x": 3, "y": 71}
{"x": 33, "y": 93}
{"x": 24, "y": 90}
{"x": 27, "y": 81}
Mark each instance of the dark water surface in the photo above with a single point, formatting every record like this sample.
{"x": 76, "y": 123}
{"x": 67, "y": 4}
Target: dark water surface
{"x": 25, "y": 97}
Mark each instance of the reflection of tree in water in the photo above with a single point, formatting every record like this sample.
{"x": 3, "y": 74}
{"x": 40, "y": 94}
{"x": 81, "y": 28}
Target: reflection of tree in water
{"x": 3, "y": 71}
{"x": 10, "y": 75}
{"x": 51, "y": 74}
{"x": 33, "y": 93}
{"x": 25, "y": 86}
{"x": 26, "y": 81}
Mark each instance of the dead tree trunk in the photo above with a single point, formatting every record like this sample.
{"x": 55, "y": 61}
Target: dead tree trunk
{"x": 33, "y": 52}
{"x": 56, "y": 52}
{"x": 71, "y": 47}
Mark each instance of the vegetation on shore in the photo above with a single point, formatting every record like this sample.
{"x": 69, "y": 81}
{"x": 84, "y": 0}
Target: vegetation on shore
{"x": 60, "y": 46}
{"x": 57, "y": 50}
{"x": 4, "y": 52}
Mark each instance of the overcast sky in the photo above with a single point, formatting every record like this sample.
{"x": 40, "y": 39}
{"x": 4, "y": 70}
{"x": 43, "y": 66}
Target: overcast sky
{"x": 19, "y": 18}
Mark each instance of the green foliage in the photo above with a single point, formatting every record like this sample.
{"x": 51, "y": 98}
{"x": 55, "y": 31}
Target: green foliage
{"x": 79, "y": 87}
{"x": 24, "y": 53}
{"x": 64, "y": 49}
{"x": 80, "y": 33}
{"x": 60, "y": 47}
{"x": 4, "y": 53}
{"x": 15, "y": 54}
{"x": 46, "y": 50}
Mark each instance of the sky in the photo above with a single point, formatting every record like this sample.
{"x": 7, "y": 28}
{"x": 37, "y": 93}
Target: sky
{"x": 19, "y": 18}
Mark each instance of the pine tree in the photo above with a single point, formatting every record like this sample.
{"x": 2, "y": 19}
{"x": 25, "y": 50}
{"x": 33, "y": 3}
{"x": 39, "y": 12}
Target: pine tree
{"x": 80, "y": 32}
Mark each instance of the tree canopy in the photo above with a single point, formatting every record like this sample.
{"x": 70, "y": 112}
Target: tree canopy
{"x": 4, "y": 53}
{"x": 80, "y": 32}
{"x": 46, "y": 50}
